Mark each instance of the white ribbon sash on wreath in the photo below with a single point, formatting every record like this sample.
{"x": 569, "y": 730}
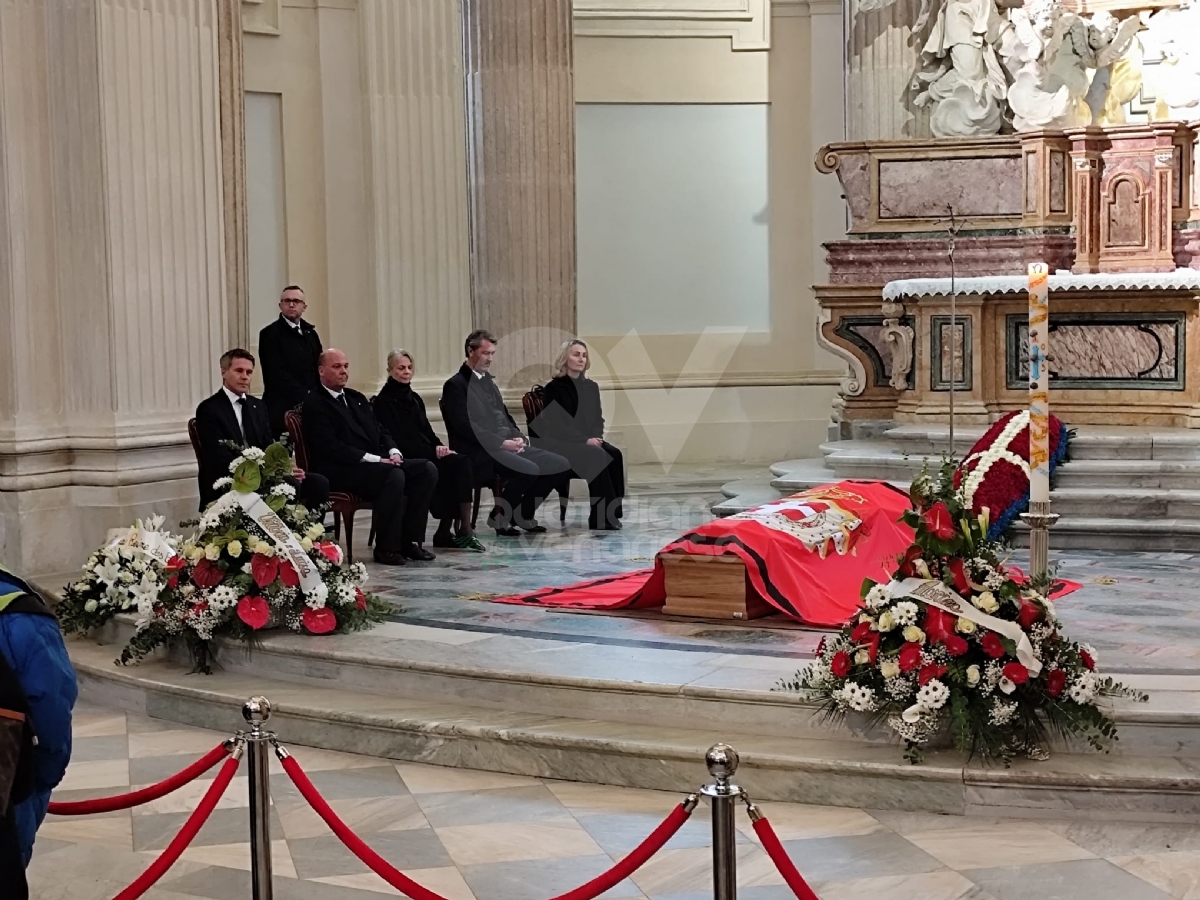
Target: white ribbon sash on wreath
{"x": 284, "y": 538}
{"x": 148, "y": 543}
{"x": 935, "y": 593}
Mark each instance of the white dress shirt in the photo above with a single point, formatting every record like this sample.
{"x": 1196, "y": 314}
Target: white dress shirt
{"x": 367, "y": 457}
{"x": 237, "y": 407}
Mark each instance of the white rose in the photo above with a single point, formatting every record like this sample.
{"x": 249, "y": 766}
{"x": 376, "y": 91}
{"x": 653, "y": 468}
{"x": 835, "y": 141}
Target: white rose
{"x": 265, "y": 549}
{"x": 91, "y": 606}
{"x": 889, "y": 668}
{"x": 986, "y": 602}
{"x": 914, "y": 634}
{"x": 212, "y": 552}
{"x": 886, "y": 621}
{"x": 234, "y": 548}
{"x": 862, "y": 657}
{"x": 965, "y": 626}
{"x": 973, "y": 675}
{"x": 315, "y": 530}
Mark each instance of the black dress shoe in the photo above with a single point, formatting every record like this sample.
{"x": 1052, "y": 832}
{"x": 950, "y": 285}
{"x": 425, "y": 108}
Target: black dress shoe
{"x": 412, "y": 551}
{"x": 506, "y": 531}
{"x": 533, "y": 527}
{"x": 388, "y": 557}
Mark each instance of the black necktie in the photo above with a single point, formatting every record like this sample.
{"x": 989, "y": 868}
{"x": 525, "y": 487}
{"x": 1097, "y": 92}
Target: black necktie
{"x": 241, "y": 402}
{"x": 342, "y": 400}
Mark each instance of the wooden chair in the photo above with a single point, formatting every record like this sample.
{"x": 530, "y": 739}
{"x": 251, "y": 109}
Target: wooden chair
{"x": 497, "y": 481}
{"x": 534, "y": 402}
{"x": 343, "y": 505}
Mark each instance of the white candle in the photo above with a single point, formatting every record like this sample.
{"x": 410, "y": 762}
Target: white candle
{"x": 1039, "y": 383}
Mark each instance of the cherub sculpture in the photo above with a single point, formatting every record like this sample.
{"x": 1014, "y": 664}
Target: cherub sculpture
{"x": 1174, "y": 36}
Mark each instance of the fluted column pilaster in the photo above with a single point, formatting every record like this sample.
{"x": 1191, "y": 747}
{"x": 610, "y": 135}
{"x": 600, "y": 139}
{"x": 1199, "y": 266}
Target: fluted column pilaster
{"x": 521, "y": 140}
{"x": 881, "y": 59}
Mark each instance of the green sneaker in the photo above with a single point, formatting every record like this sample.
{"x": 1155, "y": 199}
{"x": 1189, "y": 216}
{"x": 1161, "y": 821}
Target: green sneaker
{"x": 469, "y": 543}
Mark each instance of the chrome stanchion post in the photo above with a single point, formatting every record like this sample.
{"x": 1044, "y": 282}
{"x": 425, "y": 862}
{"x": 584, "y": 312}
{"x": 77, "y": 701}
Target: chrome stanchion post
{"x": 722, "y": 794}
{"x": 256, "y": 711}
{"x": 1040, "y": 520}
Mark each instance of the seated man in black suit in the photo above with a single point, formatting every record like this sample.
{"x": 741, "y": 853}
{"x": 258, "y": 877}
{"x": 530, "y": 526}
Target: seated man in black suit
{"x": 480, "y": 428}
{"x": 348, "y": 446}
{"x": 231, "y": 414}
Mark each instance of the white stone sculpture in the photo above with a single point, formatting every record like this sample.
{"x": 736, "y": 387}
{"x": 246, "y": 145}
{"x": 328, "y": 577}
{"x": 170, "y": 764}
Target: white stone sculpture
{"x": 1173, "y": 35}
{"x": 1052, "y": 55}
{"x": 960, "y": 74}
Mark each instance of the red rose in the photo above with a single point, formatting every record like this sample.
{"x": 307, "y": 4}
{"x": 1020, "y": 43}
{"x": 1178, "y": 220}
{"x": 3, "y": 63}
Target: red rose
{"x": 911, "y": 555}
{"x": 287, "y": 574}
{"x": 319, "y": 621}
{"x": 1029, "y": 613}
{"x": 265, "y": 569}
{"x": 254, "y": 611}
{"x": 1015, "y": 672}
{"x": 1087, "y": 660}
{"x": 958, "y": 569}
{"x": 207, "y": 574}
{"x": 840, "y": 664}
{"x": 1056, "y": 680}
{"x": 360, "y": 602}
{"x": 330, "y": 551}
{"x": 939, "y": 624}
{"x": 955, "y": 645}
{"x": 910, "y": 656}
{"x": 992, "y": 645}
{"x": 938, "y": 522}
{"x": 930, "y": 672}
{"x": 860, "y": 632}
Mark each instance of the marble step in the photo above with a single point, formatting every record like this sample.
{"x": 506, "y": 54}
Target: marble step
{"x": 1089, "y": 442}
{"x": 654, "y": 756}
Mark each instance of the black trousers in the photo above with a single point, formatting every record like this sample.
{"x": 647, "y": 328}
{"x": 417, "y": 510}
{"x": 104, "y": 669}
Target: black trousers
{"x": 455, "y": 485}
{"x": 400, "y": 497}
{"x": 313, "y": 490}
{"x": 529, "y": 477}
{"x": 603, "y": 468}
{"x": 12, "y": 867}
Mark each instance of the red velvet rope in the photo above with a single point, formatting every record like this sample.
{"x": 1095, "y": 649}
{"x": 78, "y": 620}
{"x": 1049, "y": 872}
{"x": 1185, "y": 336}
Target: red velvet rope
{"x": 180, "y": 842}
{"x": 146, "y": 794}
{"x": 405, "y": 885}
{"x": 783, "y": 862}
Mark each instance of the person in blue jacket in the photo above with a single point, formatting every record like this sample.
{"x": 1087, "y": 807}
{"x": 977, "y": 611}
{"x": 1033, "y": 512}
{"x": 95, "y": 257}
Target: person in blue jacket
{"x": 33, "y": 647}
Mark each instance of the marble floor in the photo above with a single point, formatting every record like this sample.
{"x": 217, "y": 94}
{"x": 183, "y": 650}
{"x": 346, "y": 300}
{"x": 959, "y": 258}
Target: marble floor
{"x": 469, "y": 834}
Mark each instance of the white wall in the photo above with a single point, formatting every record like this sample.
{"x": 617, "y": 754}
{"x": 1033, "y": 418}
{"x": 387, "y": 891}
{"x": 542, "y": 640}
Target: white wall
{"x": 672, "y": 229}
{"x": 265, "y": 201}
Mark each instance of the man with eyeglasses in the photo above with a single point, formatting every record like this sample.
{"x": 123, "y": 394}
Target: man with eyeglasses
{"x": 288, "y": 349}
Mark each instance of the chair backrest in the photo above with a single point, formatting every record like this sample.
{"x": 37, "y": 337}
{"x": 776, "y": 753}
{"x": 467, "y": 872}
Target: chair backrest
{"x": 194, "y": 437}
{"x": 291, "y": 420}
{"x": 533, "y": 403}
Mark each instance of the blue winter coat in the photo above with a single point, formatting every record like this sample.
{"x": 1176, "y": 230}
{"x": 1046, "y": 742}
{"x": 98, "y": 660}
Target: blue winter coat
{"x": 34, "y": 647}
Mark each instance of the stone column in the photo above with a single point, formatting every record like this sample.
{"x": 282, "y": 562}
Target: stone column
{"x": 881, "y": 59}
{"x": 521, "y": 165}
{"x": 417, "y": 158}
{"x": 113, "y": 275}
{"x": 1085, "y": 198}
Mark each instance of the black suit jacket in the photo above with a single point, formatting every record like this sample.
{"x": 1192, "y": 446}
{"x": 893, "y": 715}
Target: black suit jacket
{"x": 337, "y": 436}
{"x": 289, "y": 366}
{"x": 572, "y": 413}
{"x": 216, "y": 423}
{"x": 475, "y": 414}
{"x": 401, "y": 411}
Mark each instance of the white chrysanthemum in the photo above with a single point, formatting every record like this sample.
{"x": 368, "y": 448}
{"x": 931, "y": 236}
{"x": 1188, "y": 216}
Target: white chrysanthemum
{"x": 223, "y": 484}
{"x": 283, "y": 490}
{"x": 933, "y": 695}
{"x": 346, "y": 594}
{"x": 1002, "y": 711}
{"x": 317, "y": 598}
{"x": 233, "y": 465}
{"x": 1083, "y": 688}
{"x": 856, "y": 696}
{"x": 253, "y": 454}
{"x": 878, "y": 597}
{"x": 905, "y": 612}
{"x": 358, "y": 573}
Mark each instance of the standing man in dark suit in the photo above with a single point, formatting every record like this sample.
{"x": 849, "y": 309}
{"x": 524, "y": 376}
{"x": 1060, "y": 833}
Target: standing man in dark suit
{"x": 480, "y": 427}
{"x": 231, "y": 414}
{"x": 289, "y": 348}
{"x": 348, "y": 446}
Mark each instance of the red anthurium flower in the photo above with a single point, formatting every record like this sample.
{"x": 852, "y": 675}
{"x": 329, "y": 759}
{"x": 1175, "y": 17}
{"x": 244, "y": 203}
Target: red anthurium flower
{"x": 1056, "y": 680}
{"x": 330, "y": 551}
{"x": 288, "y": 575}
{"x": 992, "y": 645}
{"x": 873, "y": 640}
{"x": 911, "y": 555}
{"x": 910, "y": 656}
{"x": 939, "y": 624}
{"x": 207, "y": 574}
{"x": 254, "y": 611}
{"x": 176, "y": 564}
{"x": 319, "y": 621}
{"x": 1015, "y": 672}
{"x": 360, "y": 601}
{"x": 938, "y": 522}
{"x": 265, "y": 569}
{"x": 860, "y": 632}
{"x": 962, "y": 583}
{"x": 955, "y": 645}
{"x": 930, "y": 672}
{"x": 1029, "y": 613}
{"x": 840, "y": 664}
{"x": 1087, "y": 660}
